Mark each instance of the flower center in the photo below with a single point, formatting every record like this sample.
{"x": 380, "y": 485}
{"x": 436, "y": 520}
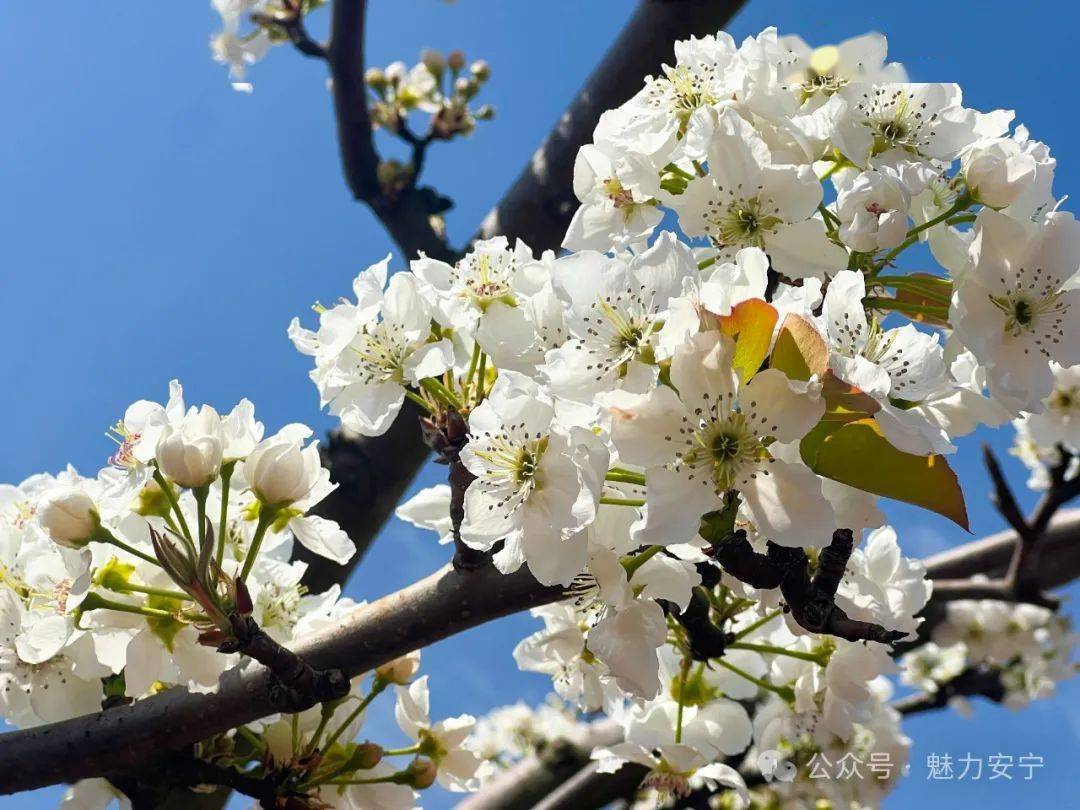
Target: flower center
{"x": 745, "y": 223}
{"x": 381, "y": 351}
{"x": 725, "y": 448}
{"x": 485, "y": 279}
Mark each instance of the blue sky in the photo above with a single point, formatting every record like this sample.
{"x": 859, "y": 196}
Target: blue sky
{"x": 159, "y": 225}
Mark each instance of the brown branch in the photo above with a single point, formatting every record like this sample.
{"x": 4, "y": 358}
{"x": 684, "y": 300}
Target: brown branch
{"x": 126, "y": 737}
{"x": 973, "y": 682}
{"x": 290, "y": 21}
{"x": 588, "y": 788}
{"x": 536, "y": 776}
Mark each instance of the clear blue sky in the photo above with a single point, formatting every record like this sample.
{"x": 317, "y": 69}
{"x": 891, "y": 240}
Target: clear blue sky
{"x": 156, "y": 225}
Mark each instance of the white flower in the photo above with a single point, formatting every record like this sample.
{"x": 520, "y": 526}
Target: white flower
{"x": 614, "y": 311}
{"x": 281, "y": 471}
{"x": 930, "y": 666}
{"x": 826, "y": 69}
{"x": 559, "y": 651}
{"x": 873, "y": 211}
{"x": 626, "y": 640}
{"x": 367, "y": 353}
{"x": 442, "y": 742}
{"x": 1016, "y": 310}
{"x": 537, "y": 484}
{"x": 712, "y": 437}
{"x": 69, "y": 516}
{"x": 997, "y": 171}
{"x": 289, "y": 479}
{"x": 748, "y": 201}
{"x": 894, "y": 122}
{"x": 617, "y": 191}
{"x": 191, "y": 452}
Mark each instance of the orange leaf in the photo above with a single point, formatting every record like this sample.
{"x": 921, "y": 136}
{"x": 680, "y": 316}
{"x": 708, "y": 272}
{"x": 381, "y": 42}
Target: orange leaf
{"x": 751, "y": 324}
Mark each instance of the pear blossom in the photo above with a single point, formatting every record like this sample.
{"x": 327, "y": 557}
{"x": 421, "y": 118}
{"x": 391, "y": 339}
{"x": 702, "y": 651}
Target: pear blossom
{"x": 873, "y": 211}
{"x": 746, "y": 200}
{"x": 1016, "y": 309}
{"x": 442, "y": 742}
{"x": 367, "y": 353}
{"x": 712, "y": 437}
{"x": 191, "y": 453}
{"x": 537, "y": 483}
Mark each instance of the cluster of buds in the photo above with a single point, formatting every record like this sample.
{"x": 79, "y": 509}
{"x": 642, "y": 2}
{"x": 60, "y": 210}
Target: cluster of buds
{"x": 223, "y": 599}
{"x": 437, "y": 84}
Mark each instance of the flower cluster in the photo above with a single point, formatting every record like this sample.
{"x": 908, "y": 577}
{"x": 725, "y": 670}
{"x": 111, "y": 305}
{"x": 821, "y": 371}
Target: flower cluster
{"x": 644, "y": 407}
{"x": 115, "y": 585}
{"x": 438, "y": 85}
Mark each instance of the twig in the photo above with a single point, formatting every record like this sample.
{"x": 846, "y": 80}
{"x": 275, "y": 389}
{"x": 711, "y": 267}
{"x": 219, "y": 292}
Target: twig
{"x": 296, "y": 685}
{"x": 1021, "y": 580}
{"x": 291, "y": 22}
{"x": 446, "y": 434}
{"x": 969, "y": 683}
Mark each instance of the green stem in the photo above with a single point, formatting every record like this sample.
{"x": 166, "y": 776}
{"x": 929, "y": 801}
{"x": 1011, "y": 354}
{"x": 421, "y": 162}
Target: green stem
{"x": 476, "y": 352}
{"x": 961, "y": 204}
{"x": 166, "y": 487}
{"x": 892, "y": 305}
{"x": 266, "y": 517}
{"x": 377, "y": 687}
{"x": 440, "y": 392}
{"x": 837, "y": 165}
{"x": 223, "y": 522}
{"x": 481, "y": 377}
{"x": 100, "y": 602}
{"x": 633, "y": 563}
{"x": 419, "y": 400}
{"x": 622, "y": 501}
{"x": 828, "y": 216}
{"x": 786, "y": 692}
{"x": 621, "y": 476}
{"x": 327, "y": 711}
{"x": 146, "y": 589}
{"x": 103, "y": 535}
{"x": 200, "y": 494}
{"x": 395, "y": 752}
{"x": 371, "y": 780}
{"x": 684, "y": 670}
{"x": 764, "y": 620}
{"x": 814, "y": 658}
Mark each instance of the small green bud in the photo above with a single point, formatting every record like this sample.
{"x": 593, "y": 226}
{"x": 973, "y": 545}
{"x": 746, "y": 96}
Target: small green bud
{"x": 480, "y": 70}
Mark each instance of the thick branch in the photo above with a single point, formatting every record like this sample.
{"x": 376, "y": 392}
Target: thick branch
{"x": 127, "y": 737}
{"x": 969, "y": 683}
{"x": 589, "y": 788}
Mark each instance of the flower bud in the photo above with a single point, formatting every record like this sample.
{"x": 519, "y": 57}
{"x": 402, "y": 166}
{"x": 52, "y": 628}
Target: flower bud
{"x": 421, "y": 773}
{"x": 455, "y": 60}
{"x": 366, "y": 756}
{"x": 70, "y": 518}
{"x": 191, "y": 454}
{"x": 485, "y": 113}
{"x": 375, "y": 79}
{"x": 400, "y": 670}
{"x": 282, "y": 472}
{"x": 433, "y": 61}
{"x": 997, "y": 171}
{"x": 481, "y": 70}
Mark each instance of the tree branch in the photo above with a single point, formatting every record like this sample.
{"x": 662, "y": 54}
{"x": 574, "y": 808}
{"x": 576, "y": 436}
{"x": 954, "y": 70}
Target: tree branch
{"x": 588, "y": 788}
{"x": 127, "y": 737}
{"x": 969, "y": 683}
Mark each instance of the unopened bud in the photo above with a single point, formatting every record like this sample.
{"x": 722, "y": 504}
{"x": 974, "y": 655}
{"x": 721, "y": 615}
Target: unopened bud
{"x": 421, "y": 773}
{"x": 375, "y": 79}
{"x": 401, "y": 670}
{"x": 70, "y": 518}
{"x": 455, "y": 60}
{"x": 484, "y": 113}
{"x": 481, "y": 70}
{"x": 433, "y": 61}
{"x": 366, "y": 756}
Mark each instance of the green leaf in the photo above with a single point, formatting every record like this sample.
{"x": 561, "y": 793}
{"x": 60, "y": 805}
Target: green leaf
{"x": 800, "y": 351}
{"x": 751, "y": 323}
{"x": 856, "y": 453}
